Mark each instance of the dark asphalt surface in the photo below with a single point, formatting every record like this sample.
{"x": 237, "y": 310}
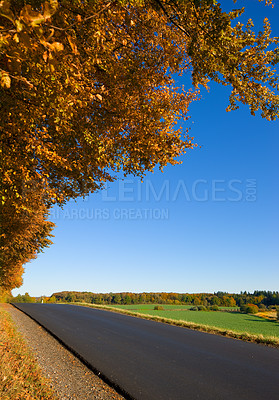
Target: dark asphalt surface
{"x": 154, "y": 361}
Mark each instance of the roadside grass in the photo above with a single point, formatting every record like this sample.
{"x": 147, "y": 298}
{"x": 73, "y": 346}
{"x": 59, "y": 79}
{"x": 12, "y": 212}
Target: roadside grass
{"x": 239, "y": 326}
{"x": 20, "y": 375}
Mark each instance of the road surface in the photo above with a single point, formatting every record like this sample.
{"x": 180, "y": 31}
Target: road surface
{"x": 149, "y": 360}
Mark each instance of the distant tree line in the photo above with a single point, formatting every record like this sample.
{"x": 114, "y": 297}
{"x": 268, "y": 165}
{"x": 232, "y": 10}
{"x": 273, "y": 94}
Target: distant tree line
{"x": 24, "y": 298}
{"x": 262, "y": 299}
{"x": 223, "y": 299}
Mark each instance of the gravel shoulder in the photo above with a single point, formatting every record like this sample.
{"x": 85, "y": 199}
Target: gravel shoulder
{"x": 69, "y": 377}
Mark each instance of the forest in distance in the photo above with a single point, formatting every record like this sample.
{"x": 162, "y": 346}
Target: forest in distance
{"x": 262, "y": 299}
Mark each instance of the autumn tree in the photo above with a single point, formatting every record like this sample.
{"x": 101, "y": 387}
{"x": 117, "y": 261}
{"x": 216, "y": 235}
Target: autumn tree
{"x": 25, "y": 231}
{"x": 87, "y": 91}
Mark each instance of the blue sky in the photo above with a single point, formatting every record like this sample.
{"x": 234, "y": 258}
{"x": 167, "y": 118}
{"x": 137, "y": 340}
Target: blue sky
{"x": 208, "y": 224}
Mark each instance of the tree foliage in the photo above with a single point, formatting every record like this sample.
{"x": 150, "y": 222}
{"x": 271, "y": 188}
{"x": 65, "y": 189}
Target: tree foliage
{"x": 213, "y": 300}
{"x": 87, "y": 91}
{"x": 25, "y": 231}
{"x": 249, "y": 309}
{"x": 25, "y": 298}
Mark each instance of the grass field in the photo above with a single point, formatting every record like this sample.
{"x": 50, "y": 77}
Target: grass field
{"x": 236, "y": 322}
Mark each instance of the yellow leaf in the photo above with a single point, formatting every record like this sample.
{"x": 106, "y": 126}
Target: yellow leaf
{"x": 45, "y": 56}
{"x": 50, "y": 8}
{"x": 30, "y": 16}
{"x": 5, "y": 79}
{"x": 73, "y": 45}
{"x": 56, "y": 46}
{"x": 5, "y": 10}
{"x": 19, "y": 25}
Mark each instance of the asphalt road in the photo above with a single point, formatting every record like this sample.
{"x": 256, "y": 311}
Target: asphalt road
{"x": 154, "y": 361}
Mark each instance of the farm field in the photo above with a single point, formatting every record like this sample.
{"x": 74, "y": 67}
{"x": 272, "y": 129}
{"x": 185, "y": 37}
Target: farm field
{"x": 225, "y": 320}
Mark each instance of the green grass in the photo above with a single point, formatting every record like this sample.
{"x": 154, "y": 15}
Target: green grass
{"x": 225, "y": 320}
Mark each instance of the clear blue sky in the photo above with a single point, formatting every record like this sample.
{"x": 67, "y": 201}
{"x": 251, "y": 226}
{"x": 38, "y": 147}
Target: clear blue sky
{"x": 209, "y": 224}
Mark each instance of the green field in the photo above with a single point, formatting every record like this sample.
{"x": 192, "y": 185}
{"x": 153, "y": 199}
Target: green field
{"x": 234, "y": 321}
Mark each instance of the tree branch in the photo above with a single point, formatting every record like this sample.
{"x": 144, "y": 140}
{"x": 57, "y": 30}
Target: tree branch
{"x": 86, "y": 19}
{"x": 171, "y": 19}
